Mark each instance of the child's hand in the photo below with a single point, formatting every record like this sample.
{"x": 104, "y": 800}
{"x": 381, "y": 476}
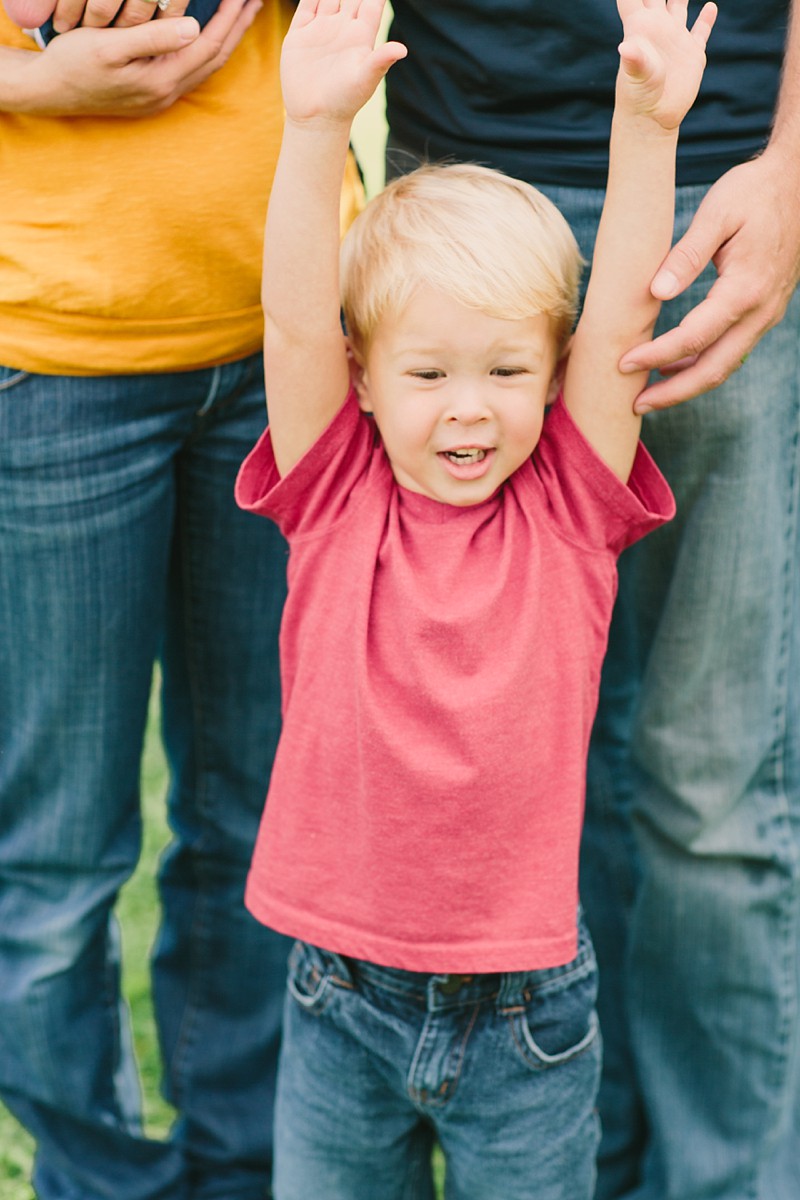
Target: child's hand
{"x": 329, "y": 68}
{"x": 662, "y": 61}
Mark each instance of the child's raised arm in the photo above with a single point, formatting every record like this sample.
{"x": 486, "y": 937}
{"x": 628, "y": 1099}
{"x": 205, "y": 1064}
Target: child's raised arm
{"x": 661, "y": 66}
{"x": 329, "y": 69}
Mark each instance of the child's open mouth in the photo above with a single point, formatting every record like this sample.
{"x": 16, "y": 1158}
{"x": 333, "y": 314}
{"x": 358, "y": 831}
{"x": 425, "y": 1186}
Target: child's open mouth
{"x": 465, "y": 456}
{"x": 467, "y": 462}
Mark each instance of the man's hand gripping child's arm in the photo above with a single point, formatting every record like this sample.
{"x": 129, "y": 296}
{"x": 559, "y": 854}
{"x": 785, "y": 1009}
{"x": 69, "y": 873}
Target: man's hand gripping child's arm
{"x": 329, "y": 69}
{"x": 661, "y": 66}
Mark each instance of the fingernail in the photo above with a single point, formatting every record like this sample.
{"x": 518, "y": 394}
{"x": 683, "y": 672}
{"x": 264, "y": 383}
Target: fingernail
{"x": 629, "y": 368}
{"x": 642, "y": 408}
{"x": 665, "y": 285}
{"x": 187, "y": 28}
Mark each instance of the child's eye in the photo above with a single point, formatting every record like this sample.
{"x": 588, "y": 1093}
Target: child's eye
{"x": 431, "y": 373}
{"x": 507, "y": 372}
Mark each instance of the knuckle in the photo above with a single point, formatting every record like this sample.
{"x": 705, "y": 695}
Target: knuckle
{"x": 135, "y": 14}
{"x": 751, "y": 296}
{"x": 692, "y": 345}
{"x": 715, "y": 376}
{"x": 214, "y": 46}
{"x": 106, "y": 55}
{"x": 163, "y": 94}
{"x": 102, "y": 10}
{"x": 690, "y": 254}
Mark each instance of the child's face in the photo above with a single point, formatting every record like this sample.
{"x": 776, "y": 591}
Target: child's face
{"x": 458, "y": 396}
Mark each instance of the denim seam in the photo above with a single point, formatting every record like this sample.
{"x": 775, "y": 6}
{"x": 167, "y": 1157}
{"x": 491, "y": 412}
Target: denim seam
{"x": 211, "y": 394}
{"x": 198, "y": 936}
{"x": 310, "y": 1003}
{"x": 450, "y": 1084}
{"x": 424, "y": 1038}
{"x": 790, "y": 921}
{"x": 13, "y": 380}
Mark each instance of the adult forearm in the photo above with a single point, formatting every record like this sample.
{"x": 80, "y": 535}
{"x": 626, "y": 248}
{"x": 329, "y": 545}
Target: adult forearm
{"x": 785, "y": 138}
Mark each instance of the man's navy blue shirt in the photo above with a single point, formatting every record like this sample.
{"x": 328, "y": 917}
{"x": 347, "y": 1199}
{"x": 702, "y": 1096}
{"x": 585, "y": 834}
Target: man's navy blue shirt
{"x": 528, "y": 85}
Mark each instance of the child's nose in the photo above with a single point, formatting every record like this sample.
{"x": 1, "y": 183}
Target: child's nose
{"x": 468, "y": 406}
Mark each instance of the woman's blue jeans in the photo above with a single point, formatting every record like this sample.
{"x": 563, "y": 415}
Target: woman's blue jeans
{"x": 120, "y": 543}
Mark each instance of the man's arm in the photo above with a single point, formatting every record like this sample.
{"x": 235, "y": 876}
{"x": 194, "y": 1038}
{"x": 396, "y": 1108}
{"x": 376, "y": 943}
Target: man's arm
{"x": 329, "y": 69}
{"x": 131, "y": 72}
{"x": 661, "y": 66}
{"x": 748, "y": 225}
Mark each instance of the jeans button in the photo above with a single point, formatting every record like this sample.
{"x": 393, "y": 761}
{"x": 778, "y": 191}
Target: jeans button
{"x": 451, "y": 984}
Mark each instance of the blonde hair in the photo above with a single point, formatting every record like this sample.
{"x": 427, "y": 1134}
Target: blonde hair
{"x": 488, "y": 241}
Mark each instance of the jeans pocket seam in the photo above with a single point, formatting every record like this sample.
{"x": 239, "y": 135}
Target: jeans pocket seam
{"x": 310, "y": 986}
{"x": 538, "y": 1059}
{"x": 7, "y": 384}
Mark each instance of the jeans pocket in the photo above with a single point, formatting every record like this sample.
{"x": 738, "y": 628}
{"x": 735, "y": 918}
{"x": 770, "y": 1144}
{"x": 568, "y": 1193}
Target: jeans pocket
{"x": 557, "y": 1021}
{"x": 310, "y": 977}
{"x": 10, "y": 377}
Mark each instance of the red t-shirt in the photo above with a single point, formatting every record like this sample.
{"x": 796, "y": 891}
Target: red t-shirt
{"x": 440, "y": 668}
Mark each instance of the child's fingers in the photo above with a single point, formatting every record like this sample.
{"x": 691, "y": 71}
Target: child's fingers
{"x": 370, "y": 12}
{"x": 306, "y": 11}
{"x": 370, "y": 9}
{"x": 626, "y": 8}
{"x": 704, "y": 24}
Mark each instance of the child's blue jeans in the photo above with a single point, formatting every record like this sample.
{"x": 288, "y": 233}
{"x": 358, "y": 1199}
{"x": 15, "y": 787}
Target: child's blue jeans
{"x": 377, "y": 1064}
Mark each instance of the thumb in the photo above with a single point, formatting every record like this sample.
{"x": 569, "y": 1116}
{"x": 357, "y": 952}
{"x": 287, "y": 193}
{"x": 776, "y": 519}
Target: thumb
{"x": 155, "y": 38}
{"x": 637, "y": 58}
{"x": 386, "y": 55}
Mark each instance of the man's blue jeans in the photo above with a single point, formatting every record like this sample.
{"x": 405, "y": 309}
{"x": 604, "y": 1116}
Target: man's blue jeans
{"x": 691, "y": 857}
{"x": 379, "y": 1063}
{"x": 120, "y": 542}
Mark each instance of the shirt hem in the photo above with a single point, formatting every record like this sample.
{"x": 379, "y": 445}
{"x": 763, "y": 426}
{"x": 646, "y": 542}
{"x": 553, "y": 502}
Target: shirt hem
{"x": 468, "y": 957}
{"x": 80, "y": 345}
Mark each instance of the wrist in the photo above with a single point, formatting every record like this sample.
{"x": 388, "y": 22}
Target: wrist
{"x": 781, "y": 155}
{"x": 319, "y": 126}
{"x": 644, "y": 127}
{"x": 647, "y": 113}
{"x": 23, "y": 83}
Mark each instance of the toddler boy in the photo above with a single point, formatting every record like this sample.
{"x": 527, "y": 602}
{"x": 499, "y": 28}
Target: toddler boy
{"x": 452, "y": 572}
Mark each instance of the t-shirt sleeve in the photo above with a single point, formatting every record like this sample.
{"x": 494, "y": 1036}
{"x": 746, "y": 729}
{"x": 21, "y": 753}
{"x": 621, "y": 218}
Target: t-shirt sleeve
{"x": 589, "y": 503}
{"x": 317, "y": 491}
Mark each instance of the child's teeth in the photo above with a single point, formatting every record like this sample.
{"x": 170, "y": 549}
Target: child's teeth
{"x": 466, "y": 455}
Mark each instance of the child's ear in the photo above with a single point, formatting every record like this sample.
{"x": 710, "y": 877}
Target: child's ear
{"x": 557, "y": 378}
{"x": 358, "y": 377}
